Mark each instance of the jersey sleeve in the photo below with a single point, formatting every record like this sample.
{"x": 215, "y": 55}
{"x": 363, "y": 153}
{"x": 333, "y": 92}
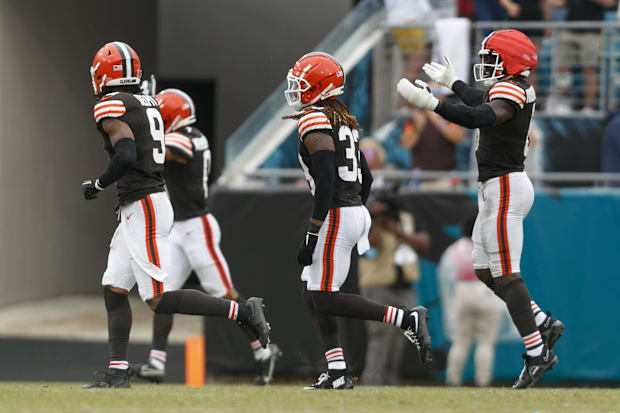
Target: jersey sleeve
{"x": 508, "y": 91}
{"x": 310, "y": 121}
{"x": 109, "y": 108}
{"x": 179, "y": 144}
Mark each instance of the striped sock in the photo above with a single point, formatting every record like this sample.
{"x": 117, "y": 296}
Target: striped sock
{"x": 539, "y": 315}
{"x": 393, "y": 316}
{"x": 119, "y": 364}
{"x": 233, "y": 312}
{"x": 335, "y": 359}
{"x": 533, "y": 344}
{"x": 157, "y": 358}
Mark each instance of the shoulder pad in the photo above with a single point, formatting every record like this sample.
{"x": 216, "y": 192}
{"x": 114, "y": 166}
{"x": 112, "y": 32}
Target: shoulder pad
{"x": 109, "y": 107}
{"x": 312, "y": 120}
{"x": 509, "y": 91}
{"x": 180, "y": 142}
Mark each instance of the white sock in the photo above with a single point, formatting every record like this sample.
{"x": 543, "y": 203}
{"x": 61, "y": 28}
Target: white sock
{"x": 539, "y": 315}
{"x": 393, "y": 316}
{"x": 533, "y": 344}
{"x": 335, "y": 359}
{"x": 260, "y": 353}
{"x": 233, "y": 312}
{"x": 119, "y": 364}
{"x": 157, "y": 359}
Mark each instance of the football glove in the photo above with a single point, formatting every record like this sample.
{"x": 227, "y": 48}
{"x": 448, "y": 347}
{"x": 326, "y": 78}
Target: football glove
{"x": 419, "y": 95}
{"x": 306, "y": 249}
{"x": 91, "y": 188}
{"x": 444, "y": 75}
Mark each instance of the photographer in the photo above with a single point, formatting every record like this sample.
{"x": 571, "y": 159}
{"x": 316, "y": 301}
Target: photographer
{"x": 386, "y": 274}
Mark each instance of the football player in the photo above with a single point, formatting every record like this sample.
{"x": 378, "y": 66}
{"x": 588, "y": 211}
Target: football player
{"x": 502, "y": 112}
{"x": 195, "y": 236}
{"x": 133, "y": 135}
{"x": 339, "y": 180}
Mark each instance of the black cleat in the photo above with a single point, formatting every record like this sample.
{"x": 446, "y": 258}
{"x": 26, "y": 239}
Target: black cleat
{"x": 551, "y": 331}
{"x": 419, "y": 336}
{"x": 113, "y": 378}
{"x": 265, "y": 368}
{"x": 257, "y": 322}
{"x": 332, "y": 381}
{"x": 534, "y": 368}
{"x": 147, "y": 372}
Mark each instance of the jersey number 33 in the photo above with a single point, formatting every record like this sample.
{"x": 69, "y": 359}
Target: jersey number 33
{"x": 348, "y": 162}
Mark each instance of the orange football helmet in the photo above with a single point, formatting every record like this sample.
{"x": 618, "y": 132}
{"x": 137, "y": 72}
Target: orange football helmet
{"x": 505, "y": 53}
{"x": 177, "y": 109}
{"x": 316, "y": 76}
{"x": 115, "y": 64}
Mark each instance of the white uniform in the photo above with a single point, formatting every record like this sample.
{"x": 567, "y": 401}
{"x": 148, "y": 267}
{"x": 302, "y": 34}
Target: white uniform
{"x": 503, "y": 204}
{"x": 195, "y": 244}
{"x": 343, "y": 228}
{"x": 139, "y": 251}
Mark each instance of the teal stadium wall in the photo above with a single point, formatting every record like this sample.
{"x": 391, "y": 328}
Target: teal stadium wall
{"x": 570, "y": 264}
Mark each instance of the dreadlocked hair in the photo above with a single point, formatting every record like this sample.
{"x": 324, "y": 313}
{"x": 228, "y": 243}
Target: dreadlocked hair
{"x": 336, "y": 112}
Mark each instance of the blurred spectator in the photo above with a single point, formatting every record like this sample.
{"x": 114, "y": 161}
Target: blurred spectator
{"x": 489, "y": 10}
{"x": 432, "y": 140}
{"x": 386, "y": 272}
{"x": 465, "y": 8}
{"x": 414, "y": 43}
{"x": 375, "y": 157}
{"x": 610, "y": 146}
{"x": 476, "y": 310}
{"x": 583, "y": 46}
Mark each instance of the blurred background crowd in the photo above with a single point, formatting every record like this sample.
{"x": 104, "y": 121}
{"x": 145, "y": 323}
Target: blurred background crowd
{"x": 576, "y": 83}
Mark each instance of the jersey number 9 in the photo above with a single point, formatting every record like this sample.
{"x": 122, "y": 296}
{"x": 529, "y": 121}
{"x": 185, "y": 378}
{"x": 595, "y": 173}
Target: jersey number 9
{"x": 157, "y": 132}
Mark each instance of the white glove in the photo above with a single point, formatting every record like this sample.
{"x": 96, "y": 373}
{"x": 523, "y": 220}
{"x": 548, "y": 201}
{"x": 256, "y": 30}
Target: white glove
{"x": 419, "y": 96}
{"x": 444, "y": 75}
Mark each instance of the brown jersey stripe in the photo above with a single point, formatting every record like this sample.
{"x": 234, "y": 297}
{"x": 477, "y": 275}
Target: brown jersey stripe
{"x": 332, "y": 247}
{"x": 327, "y": 264}
{"x": 151, "y": 245}
{"x": 502, "y": 235}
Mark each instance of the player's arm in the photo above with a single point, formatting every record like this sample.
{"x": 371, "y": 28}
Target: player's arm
{"x": 173, "y": 157}
{"x": 366, "y": 178}
{"x": 480, "y": 116}
{"x": 321, "y": 148}
{"x": 123, "y": 142}
{"x": 179, "y": 148}
{"x": 323, "y": 159}
{"x": 496, "y": 112}
{"x": 469, "y": 95}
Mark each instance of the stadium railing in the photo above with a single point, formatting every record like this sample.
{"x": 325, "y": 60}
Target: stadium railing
{"x": 458, "y": 180}
{"x": 559, "y": 77}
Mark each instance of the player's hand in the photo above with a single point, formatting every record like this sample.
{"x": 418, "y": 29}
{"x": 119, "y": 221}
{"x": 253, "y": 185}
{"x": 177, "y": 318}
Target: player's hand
{"x": 419, "y": 95}
{"x": 91, "y": 188}
{"x": 306, "y": 249}
{"x": 444, "y": 75}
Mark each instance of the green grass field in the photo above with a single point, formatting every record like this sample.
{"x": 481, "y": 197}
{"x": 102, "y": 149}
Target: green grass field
{"x": 40, "y": 397}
